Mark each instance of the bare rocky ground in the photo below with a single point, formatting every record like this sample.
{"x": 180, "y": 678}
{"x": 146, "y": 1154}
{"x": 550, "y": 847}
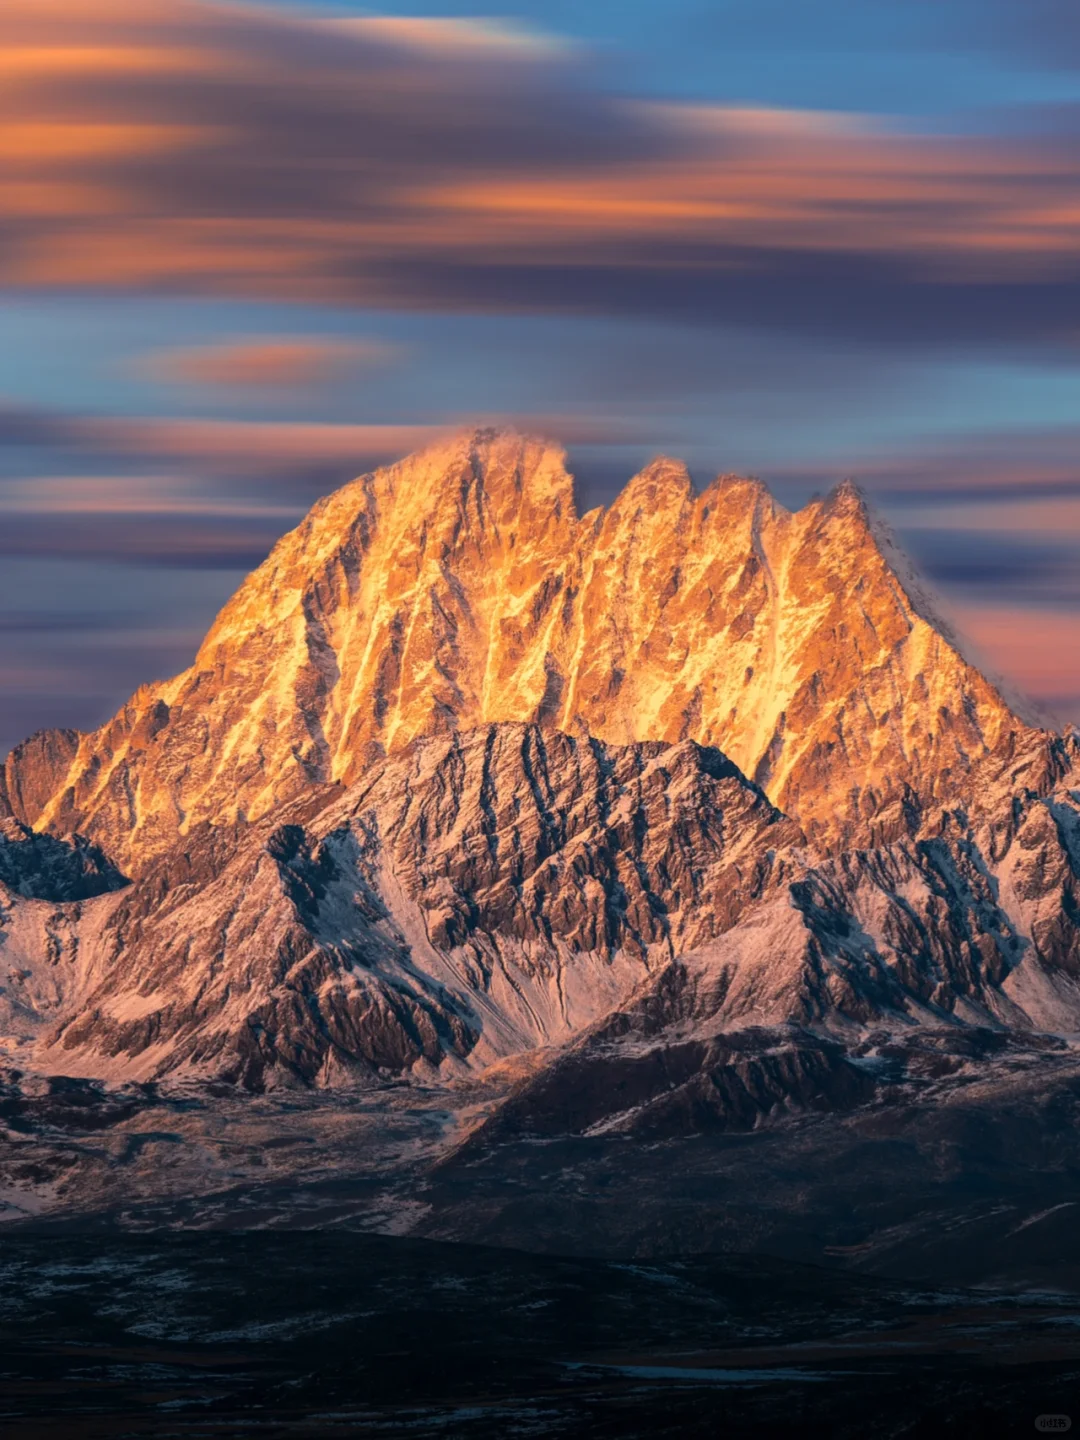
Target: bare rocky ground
{"x": 961, "y": 1161}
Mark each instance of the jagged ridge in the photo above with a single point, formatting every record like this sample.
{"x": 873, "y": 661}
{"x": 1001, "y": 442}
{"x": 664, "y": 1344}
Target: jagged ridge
{"x": 479, "y": 896}
{"x": 460, "y": 587}
{"x": 447, "y": 783}
{"x": 488, "y": 893}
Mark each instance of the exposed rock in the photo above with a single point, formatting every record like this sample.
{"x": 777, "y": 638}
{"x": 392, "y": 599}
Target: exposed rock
{"x": 43, "y": 867}
{"x": 459, "y": 776}
{"x": 460, "y": 587}
{"x": 481, "y": 894}
{"x": 33, "y": 770}
{"x": 490, "y": 893}
{"x": 729, "y": 1082}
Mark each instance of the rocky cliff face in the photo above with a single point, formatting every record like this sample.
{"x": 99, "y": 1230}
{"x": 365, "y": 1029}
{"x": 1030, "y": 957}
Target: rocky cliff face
{"x": 42, "y": 867}
{"x": 460, "y": 588}
{"x": 512, "y": 890}
{"x": 692, "y": 791}
{"x": 910, "y": 963}
{"x": 481, "y": 895}
{"x": 34, "y": 770}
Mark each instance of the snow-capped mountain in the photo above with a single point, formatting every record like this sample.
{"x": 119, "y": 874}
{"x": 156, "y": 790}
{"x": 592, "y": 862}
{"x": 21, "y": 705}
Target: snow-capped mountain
{"x": 460, "y": 779}
{"x": 460, "y": 588}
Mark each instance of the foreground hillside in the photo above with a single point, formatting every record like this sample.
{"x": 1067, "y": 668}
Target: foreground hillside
{"x": 269, "y": 1335}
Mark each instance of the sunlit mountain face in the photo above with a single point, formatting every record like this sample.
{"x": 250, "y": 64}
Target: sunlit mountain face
{"x": 503, "y": 874}
{"x": 539, "y": 620}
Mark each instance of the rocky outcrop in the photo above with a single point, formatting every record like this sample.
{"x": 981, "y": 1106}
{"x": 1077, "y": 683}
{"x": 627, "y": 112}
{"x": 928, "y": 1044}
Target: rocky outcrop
{"x": 33, "y": 771}
{"x": 43, "y": 867}
{"x": 728, "y": 1082}
{"x": 460, "y": 587}
{"x": 480, "y": 895}
{"x": 496, "y": 892}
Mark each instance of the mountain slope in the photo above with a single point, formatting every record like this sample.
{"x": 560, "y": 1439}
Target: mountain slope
{"x": 514, "y": 891}
{"x": 910, "y": 964}
{"x": 477, "y": 897}
{"x": 460, "y": 588}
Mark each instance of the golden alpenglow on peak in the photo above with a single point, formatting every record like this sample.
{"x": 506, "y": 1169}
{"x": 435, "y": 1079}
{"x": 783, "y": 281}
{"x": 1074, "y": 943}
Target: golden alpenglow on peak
{"x": 460, "y": 587}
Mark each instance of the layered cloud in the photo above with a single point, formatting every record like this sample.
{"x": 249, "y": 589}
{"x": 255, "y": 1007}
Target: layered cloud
{"x": 283, "y": 362}
{"x": 199, "y": 493}
{"x": 1029, "y": 645}
{"x": 169, "y": 143}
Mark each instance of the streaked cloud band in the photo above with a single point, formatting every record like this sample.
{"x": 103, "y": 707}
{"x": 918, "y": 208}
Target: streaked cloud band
{"x": 444, "y": 164}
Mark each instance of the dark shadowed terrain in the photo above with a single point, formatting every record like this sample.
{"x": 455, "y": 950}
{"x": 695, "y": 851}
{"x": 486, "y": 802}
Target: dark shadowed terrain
{"x": 312, "y": 1334}
{"x": 692, "y": 1284}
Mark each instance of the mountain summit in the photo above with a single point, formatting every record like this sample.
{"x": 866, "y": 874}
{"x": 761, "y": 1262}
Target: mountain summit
{"x": 460, "y": 587}
{"x": 683, "y": 815}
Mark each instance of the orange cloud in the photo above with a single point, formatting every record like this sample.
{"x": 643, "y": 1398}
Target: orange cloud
{"x": 253, "y": 444}
{"x": 431, "y": 162}
{"x": 269, "y": 361}
{"x": 1027, "y": 644}
{"x": 1055, "y": 518}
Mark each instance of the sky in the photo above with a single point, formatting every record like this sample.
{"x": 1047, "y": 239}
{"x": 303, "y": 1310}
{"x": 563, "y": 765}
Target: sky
{"x": 247, "y": 252}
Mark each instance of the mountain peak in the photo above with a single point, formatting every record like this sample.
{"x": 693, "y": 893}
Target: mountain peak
{"x": 458, "y": 588}
{"x": 848, "y": 495}
{"x": 663, "y": 478}
{"x": 508, "y": 476}
{"x": 34, "y": 769}
{"x": 846, "y": 505}
{"x": 492, "y": 458}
